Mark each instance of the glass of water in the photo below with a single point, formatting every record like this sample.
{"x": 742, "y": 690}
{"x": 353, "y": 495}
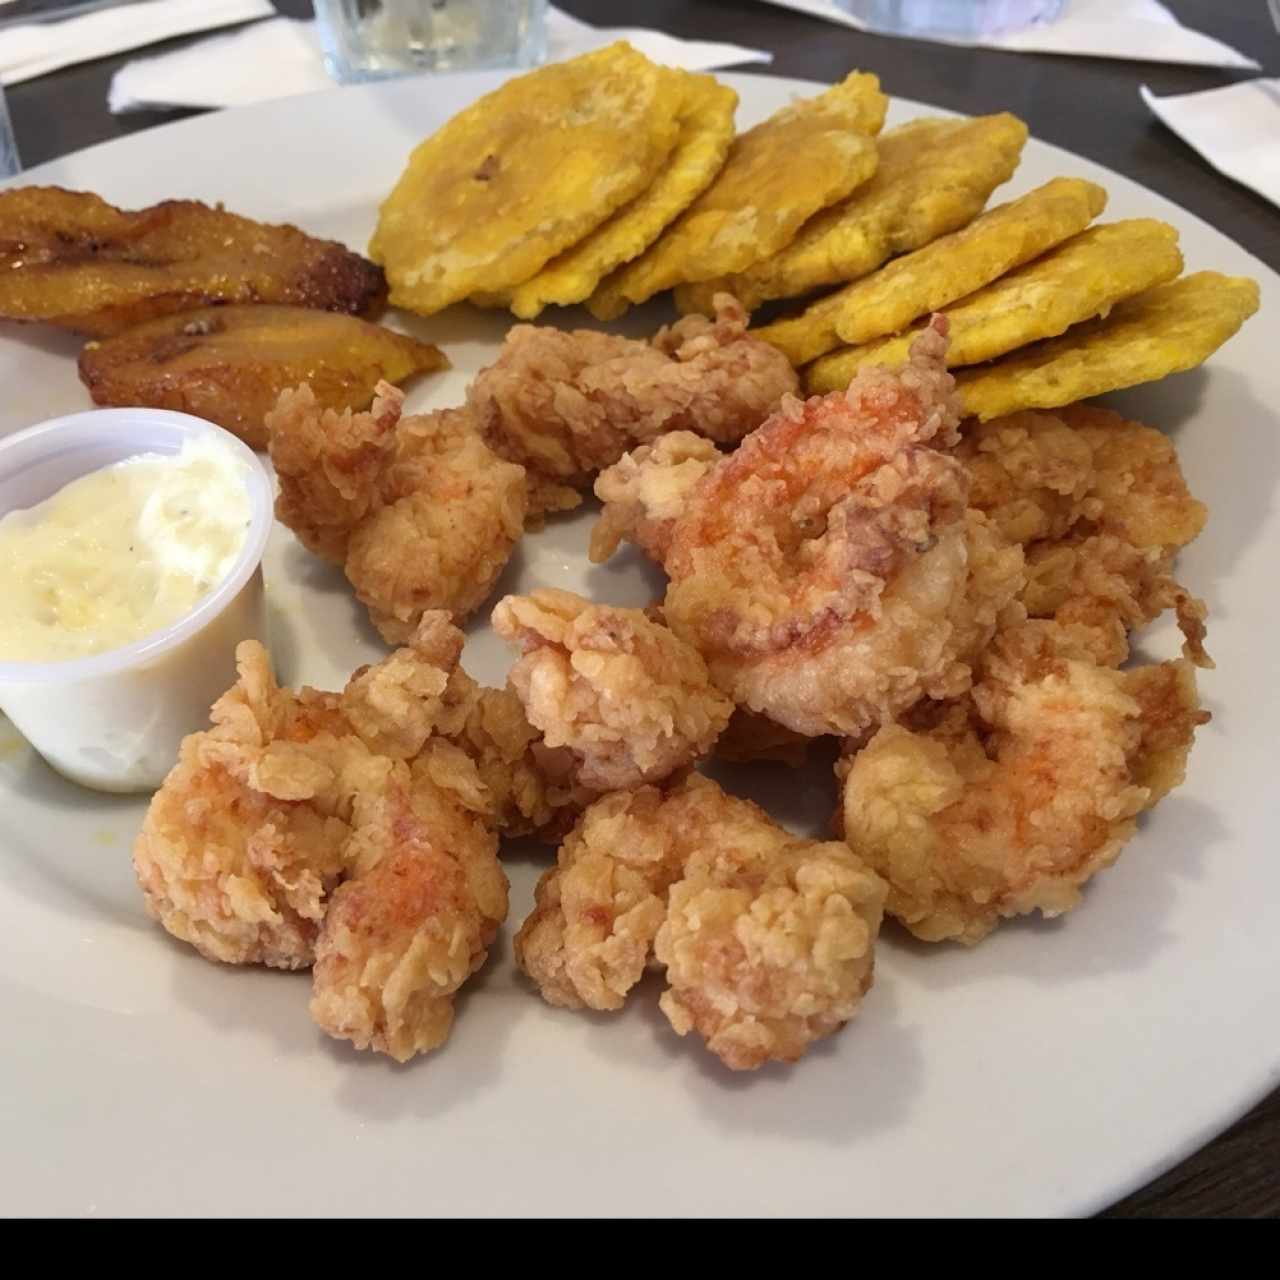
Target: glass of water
{"x": 957, "y": 18}
{"x": 377, "y": 39}
{"x": 9, "y": 162}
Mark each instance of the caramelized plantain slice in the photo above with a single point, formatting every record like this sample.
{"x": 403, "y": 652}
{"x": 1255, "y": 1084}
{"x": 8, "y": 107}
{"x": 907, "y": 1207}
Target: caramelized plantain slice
{"x": 71, "y": 259}
{"x": 229, "y": 364}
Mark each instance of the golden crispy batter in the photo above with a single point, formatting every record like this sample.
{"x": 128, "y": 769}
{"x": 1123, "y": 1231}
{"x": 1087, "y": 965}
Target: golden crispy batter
{"x": 1170, "y": 328}
{"x": 943, "y": 271}
{"x": 645, "y": 492}
{"x": 408, "y": 930}
{"x": 70, "y": 259}
{"x": 528, "y": 788}
{"x": 565, "y": 404}
{"x": 934, "y": 176}
{"x": 230, "y": 364}
{"x": 417, "y": 510}
{"x": 1080, "y": 279}
{"x": 821, "y": 569}
{"x": 523, "y": 173}
{"x": 1101, "y": 506}
{"x": 705, "y": 117}
{"x": 767, "y": 939}
{"x": 803, "y": 158}
{"x": 306, "y": 826}
{"x": 631, "y": 701}
{"x": 1007, "y": 803}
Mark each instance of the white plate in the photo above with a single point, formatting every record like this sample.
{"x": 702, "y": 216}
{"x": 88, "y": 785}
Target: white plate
{"x": 1048, "y": 1071}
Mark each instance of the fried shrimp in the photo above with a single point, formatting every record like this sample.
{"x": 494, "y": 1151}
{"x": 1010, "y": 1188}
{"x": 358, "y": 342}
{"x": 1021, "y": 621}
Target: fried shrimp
{"x": 337, "y": 830}
{"x": 821, "y": 568}
{"x": 417, "y": 510}
{"x": 1008, "y": 801}
{"x": 767, "y": 939}
{"x": 1101, "y": 507}
{"x": 568, "y": 404}
{"x": 629, "y": 700}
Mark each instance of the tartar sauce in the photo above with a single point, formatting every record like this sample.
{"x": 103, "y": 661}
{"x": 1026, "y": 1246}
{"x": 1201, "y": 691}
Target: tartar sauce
{"x": 121, "y": 552}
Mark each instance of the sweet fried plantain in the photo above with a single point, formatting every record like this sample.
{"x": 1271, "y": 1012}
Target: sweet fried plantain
{"x": 229, "y": 364}
{"x": 71, "y": 259}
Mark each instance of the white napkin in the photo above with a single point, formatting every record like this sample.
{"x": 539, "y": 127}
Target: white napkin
{"x": 1236, "y": 129}
{"x": 33, "y": 49}
{"x": 281, "y": 58}
{"x": 1143, "y": 30}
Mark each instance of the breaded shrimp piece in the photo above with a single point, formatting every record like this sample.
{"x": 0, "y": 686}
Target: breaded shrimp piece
{"x": 820, "y": 569}
{"x": 646, "y": 491}
{"x": 417, "y": 510}
{"x": 767, "y": 939}
{"x": 568, "y": 404}
{"x": 597, "y": 911}
{"x": 297, "y": 802}
{"x": 1010, "y": 800}
{"x": 528, "y": 787}
{"x": 413, "y": 923}
{"x": 330, "y": 465}
{"x": 241, "y": 874}
{"x": 1101, "y": 506}
{"x": 631, "y": 701}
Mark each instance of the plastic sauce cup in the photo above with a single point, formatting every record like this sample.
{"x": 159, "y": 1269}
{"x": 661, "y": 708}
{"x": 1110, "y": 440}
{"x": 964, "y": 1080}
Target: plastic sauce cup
{"x": 113, "y": 721}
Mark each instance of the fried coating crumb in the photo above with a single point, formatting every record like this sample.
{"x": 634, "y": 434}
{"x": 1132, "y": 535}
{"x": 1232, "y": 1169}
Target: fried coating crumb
{"x": 567, "y": 404}
{"x": 1010, "y": 800}
{"x": 631, "y": 701}
{"x": 417, "y": 510}
{"x": 334, "y": 829}
{"x": 767, "y": 939}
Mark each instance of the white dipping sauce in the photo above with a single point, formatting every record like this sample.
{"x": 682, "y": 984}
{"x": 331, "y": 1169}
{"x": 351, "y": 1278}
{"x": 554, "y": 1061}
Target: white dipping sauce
{"x": 120, "y": 553}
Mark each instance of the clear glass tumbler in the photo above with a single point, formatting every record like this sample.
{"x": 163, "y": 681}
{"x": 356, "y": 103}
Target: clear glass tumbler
{"x": 9, "y": 162}
{"x": 957, "y": 18}
{"x": 378, "y": 39}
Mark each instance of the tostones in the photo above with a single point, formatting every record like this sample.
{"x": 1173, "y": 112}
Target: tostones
{"x": 934, "y": 176}
{"x": 1078, "y": 280}
{"x": 523, "y": 173}
{"x": 801, "y": 159}
{"x": 1168, "y": 329}
{"x": 706, "y": 133}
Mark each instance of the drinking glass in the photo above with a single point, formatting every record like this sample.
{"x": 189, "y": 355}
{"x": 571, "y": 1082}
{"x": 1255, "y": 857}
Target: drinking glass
{"x": 959, "y": 18}
{"x": 377, "y": 39}
{"x": 9, "y": 162}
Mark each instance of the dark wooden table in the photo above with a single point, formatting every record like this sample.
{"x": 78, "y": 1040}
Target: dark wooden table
{"x": 1088, "y": 105}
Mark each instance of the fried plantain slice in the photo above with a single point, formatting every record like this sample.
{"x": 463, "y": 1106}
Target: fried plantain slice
{"x": 1080, "y": 279}
{"x": 801, "y": 159}
{"x": 71, "y": 259}
{"x": 229, "y": 364}
{"x": 934, "y": 177}
{"x": 1170, "y": 328}
{"x": 523, "y": 173}
{"x": 945, "y": 270}
{"x": 706, "y": 133}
